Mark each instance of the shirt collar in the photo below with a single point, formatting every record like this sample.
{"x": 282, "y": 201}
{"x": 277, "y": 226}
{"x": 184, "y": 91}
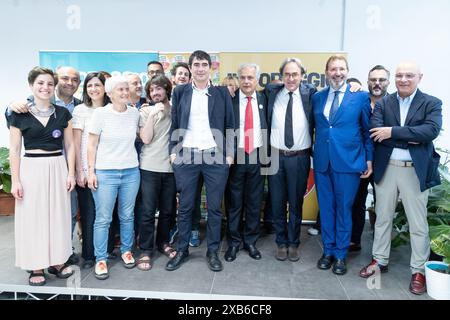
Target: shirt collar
{"x": 408, "y": 99}
{"x": 341, "y": 89}
{"x": 286, "y": 91}
{"x": 201, "y": 90}
{"x": 244, "y": 97}
{"x": 60, "y": 102}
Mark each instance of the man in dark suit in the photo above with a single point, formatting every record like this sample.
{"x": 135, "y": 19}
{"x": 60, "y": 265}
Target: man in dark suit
{"x": 343, "y": 153}
{"x": 290, "y": 125}
{"x": 404, "y": 124}
{"x": 200, "y": 146}
{"x": 246, "y": 183}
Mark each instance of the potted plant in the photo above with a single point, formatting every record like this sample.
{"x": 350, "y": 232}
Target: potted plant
{"x": 437, "y": 273}
{"x": 6, "y": 199}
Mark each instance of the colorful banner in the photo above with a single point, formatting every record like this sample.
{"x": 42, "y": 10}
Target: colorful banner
{"x": 270, "y": 65}
{"x": 169, "y": 59}
{"x": 116, "y": 63}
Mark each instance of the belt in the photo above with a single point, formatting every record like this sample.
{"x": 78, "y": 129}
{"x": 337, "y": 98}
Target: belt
{"x": 399, "y": 163}
{"x": 42, "y": 155}
{"x": 288, "y": 153}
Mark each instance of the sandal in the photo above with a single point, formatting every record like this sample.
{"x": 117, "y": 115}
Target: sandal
{"x": 128, "y": 260}
{"x": 144, "y": 263}
{"x": 34, "y": 275}
{"x": 168, "y": 251}
{"x": 59, "y": 272}
{"x": 101, "y": 270}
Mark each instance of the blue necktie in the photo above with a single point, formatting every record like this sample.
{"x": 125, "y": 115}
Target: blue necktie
{"x": 334, "y": 106}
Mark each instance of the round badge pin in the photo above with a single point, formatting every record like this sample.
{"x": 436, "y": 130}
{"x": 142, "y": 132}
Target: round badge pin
{"x": 56, "y": 133}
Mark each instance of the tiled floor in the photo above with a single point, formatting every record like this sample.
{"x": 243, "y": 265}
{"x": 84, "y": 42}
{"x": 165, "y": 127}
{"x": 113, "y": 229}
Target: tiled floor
{"x": 241, "y": 279}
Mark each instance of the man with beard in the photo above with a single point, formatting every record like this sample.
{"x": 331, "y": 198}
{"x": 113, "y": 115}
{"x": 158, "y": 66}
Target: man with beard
{"x": 157, "y": 178}
{"x": 68, "y": 83}
{"x": 343, "y": 154}
{"x": 377, "y": 82}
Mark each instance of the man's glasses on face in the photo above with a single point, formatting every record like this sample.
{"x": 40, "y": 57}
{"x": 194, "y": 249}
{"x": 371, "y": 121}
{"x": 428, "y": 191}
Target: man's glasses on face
{"x": 407, "y": 76}
{"x": 294, "y": 75}
{"x": 380, "y": 80}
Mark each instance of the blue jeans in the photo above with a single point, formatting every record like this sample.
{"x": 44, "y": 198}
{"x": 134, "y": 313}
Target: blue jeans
{"x": 122, "y": 184}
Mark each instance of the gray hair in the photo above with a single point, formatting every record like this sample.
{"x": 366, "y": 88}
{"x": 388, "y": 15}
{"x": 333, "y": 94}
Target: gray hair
{"x": 296, "y": 61}
{"x": 250, "y": 65}
{"x": 112, "y": 82}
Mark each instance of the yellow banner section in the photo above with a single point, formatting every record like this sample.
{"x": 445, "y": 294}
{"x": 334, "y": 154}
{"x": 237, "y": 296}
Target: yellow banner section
{"x": 270, "y": 62}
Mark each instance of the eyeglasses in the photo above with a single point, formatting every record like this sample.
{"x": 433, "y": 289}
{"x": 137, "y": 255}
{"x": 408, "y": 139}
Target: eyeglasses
{"x": 408, "y": 76}
{"x": 380, "y": 80}
{"x": 294, "y": 75}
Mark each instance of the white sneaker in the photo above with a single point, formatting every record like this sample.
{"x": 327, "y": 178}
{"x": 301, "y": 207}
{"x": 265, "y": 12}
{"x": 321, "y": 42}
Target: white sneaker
{"x": 313, "y": 231}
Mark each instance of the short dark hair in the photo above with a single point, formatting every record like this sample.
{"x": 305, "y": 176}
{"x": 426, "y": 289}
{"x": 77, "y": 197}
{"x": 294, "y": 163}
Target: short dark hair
{"x": 200, "y": 55}
{"x": 37, "y": 71}
{"x": 100, "y": 75}
{"x": 353, "y": 80}
{"x": 159, "y": 80}
{"x": 380, "y": 67}
{"x": 180, "y": 64}
{"x": 155, "y": 62}
{"x": 294, "y": 60}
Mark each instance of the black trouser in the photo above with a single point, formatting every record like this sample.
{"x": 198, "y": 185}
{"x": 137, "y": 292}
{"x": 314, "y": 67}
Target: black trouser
{"x": 158, "y": 190}
{"x": 289, "y": 185}
{"x": 187, "y": 174}
{"x": 244, "y": 196}
{"x": 87, "y": 213}
{"x": 197, "y": 215}
{"x": 359, "y": 209}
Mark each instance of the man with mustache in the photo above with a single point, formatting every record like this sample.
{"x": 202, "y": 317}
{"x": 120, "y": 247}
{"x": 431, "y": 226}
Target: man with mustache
{"x": 377, "y": 82}
{"x": 343, "y": 154}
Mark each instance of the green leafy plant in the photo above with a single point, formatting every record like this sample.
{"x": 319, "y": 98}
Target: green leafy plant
{"x": 438, "y": 215}
{"x": 5, "y": 173}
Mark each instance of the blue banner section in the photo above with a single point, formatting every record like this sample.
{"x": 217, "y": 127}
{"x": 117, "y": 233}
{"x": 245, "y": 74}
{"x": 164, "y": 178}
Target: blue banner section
{"x": 115, "y": 63}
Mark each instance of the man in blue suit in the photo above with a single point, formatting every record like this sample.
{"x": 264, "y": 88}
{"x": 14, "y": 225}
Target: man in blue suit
{"x": 405, "y": 124}
{"x": 200, "y": 146}
{"x": 343, "y": 154}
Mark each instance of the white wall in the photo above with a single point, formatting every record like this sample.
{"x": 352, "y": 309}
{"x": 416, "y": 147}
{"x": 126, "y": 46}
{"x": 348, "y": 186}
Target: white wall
{"x": 376, "y": 32}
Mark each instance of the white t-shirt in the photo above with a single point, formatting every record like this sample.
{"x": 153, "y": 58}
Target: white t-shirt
{"x": 82, "y": 115}
{"x": 117, "y": 131}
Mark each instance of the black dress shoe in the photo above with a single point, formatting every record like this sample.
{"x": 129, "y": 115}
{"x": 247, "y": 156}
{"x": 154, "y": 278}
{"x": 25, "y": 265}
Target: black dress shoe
{"x": 354, "y": 247}
{"x": 230, "y": 255}
{"x": 177, "y": 261}
{"x": 325, "y": 262}
{"x": 252, "y": 251}
{"x": 339, "y": 267}
{"x": 269, "y": 229}
{"x": 214, "y": 262}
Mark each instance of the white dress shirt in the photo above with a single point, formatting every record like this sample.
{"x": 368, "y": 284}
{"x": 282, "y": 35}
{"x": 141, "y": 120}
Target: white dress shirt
{"x": 198, "y": 134}
{"x": 300, "y": 125}
{"x": 257, "y": 133}
{"x": 330, "y": 98}
{"x": 404, "y": 103}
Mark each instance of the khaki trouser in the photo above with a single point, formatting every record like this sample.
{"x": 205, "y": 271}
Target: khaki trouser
{"x": 401, "y": 180}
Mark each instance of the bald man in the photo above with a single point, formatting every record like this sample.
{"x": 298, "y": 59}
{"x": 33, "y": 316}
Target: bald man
{"x": 404, "y": 125}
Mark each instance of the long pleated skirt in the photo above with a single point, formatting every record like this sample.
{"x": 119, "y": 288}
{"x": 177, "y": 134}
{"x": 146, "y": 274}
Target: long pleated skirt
{"x": 43, "y": 216}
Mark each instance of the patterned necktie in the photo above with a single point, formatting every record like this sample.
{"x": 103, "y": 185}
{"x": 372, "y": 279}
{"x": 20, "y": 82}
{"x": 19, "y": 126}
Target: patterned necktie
{"x": 248, "y": 127}
{"x": 288, "y": 128}
{"x": 334, "y": 106}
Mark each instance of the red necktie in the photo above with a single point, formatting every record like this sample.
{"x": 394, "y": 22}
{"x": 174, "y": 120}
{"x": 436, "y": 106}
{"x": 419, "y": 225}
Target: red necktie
{"x": 248, "y": 127}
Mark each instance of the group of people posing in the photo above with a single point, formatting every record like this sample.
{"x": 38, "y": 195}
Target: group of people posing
{"x": 115, "y": 146}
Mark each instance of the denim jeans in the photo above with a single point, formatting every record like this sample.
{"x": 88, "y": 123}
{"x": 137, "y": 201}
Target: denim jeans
{"x": 122, "y": 184}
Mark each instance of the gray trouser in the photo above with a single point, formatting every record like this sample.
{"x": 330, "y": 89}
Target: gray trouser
{"x": 73, "y": 208}
{"x": 403, "y": 181}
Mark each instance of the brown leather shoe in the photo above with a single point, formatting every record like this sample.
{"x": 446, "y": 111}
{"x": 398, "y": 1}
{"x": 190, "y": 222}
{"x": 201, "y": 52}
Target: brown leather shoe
{"x": 281, "y": 253}
{"x": 370, "y": 269}
{"x": 417, "y": 285}
{"x": 293, "y": 254}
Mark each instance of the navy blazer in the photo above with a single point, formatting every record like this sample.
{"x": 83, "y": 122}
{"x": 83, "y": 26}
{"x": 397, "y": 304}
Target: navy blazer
{"x": 220, "y": 112}
{"x": 422, "y": 125}
{"x": 306, "y": 92}
{"x": 344, "y": 143}
{"x": 262, "y": 109}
